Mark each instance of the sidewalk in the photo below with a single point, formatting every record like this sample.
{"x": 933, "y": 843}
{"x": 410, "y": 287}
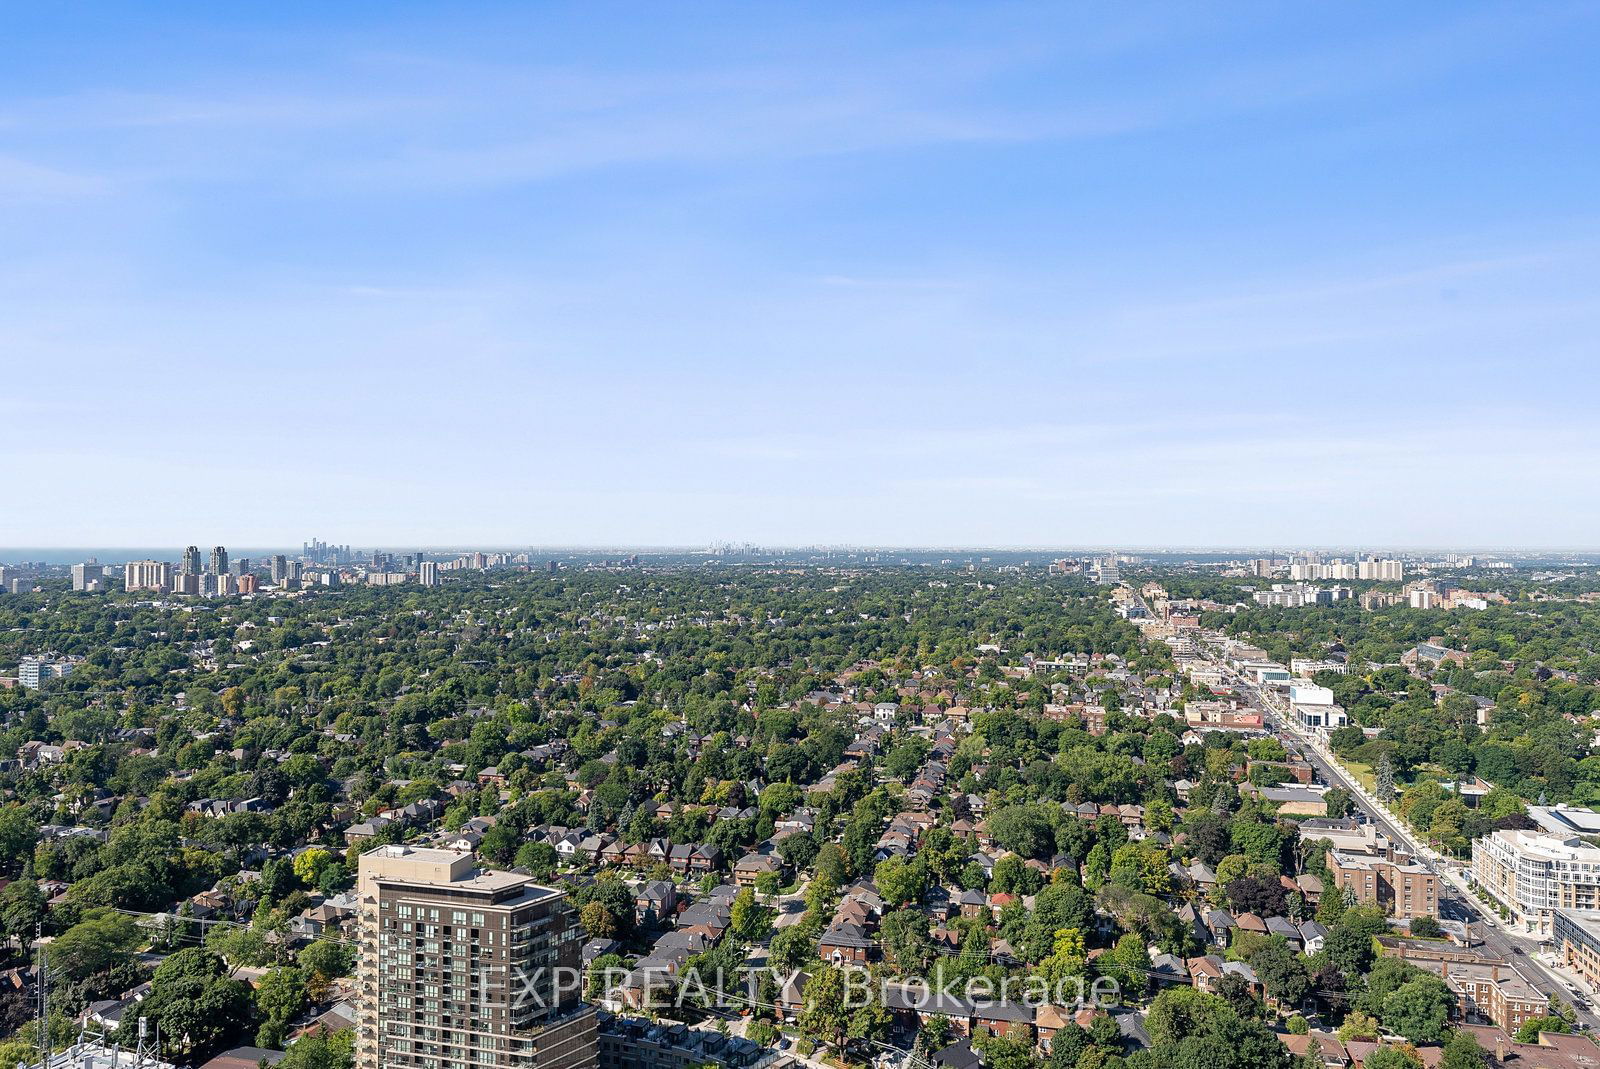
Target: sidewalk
{"x": 1444, "y": 866}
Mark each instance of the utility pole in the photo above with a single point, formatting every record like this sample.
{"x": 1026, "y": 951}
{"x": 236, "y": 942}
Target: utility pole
{"x": 44, "y": 1001}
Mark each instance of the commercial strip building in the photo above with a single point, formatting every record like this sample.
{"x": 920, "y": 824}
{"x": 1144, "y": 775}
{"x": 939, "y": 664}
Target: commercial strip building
{"x": 466, "y": 969}
{"x": 1533, "y": 874}
{"x": 1314, "y": 709}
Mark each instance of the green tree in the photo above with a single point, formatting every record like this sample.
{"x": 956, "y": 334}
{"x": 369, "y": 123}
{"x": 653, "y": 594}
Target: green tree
{"x": 1068, "y": 958}
{"x": 1128, "y": 963}
{"x": 1426, "y": 928}
{"x": 18, "y": 834}
{"x": 1392, "y": 1058}
{"x": 320, "y": 1050}
{"x": 750, "y": 920}
{"x": 1349, "y": 950}
{"x": 324, "y": 961}
{"x": 22, "y": 910}
{"x": 308, "y": 865}
{"x": 1528, "y": 1031}
{"x": 195, "y": 1002}
{"x": 1461, "y": 1051}
{"x": 1418, "y": 1009}
{"x": 598, "y": 921}
{"x": 101, "y": 938}
{"x": 900, "y": 881}
{"x": 239, "y": 946}
{"x": 905, "y": 939}
{"x": 1281, "y": 971}
{"x": 280, "y": 997}
{"x": 934, "y": 1035}
{"x": 539, "y": 859}
{"x": 832, "y": 869}
{"x": 1181, "y": 1012}
{"x": 792, "y": 948}
{"x": 823, "y": 1012}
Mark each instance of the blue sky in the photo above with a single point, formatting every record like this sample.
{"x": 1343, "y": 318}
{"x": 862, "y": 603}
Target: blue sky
{"x": 909, "y": 274}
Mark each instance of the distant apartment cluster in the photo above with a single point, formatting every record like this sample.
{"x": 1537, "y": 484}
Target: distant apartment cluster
{"x": 1369, "y": 569}
{"x": 1309, "y": 567}
{"x": 1294, "y": 595}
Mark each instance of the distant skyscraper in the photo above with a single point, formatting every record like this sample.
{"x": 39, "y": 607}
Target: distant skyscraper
{"x": 219, "y": 560}
{"x": 191, "y": 561}
{"x": 280, "y": 568}
{"x": 239, "y": 565}
{"x": 428, "y": 573}
{"x": 1105, "y": 570}
{"x": 247, "y": 583}
{"x": 147, "y": 575}
{"x": 90, "y": 575}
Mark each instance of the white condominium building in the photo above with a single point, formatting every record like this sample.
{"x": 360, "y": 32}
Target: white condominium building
{"x": 1383, "y": 571}
{"x": 1534, "y": 873}
{"x": 147, "y": 575}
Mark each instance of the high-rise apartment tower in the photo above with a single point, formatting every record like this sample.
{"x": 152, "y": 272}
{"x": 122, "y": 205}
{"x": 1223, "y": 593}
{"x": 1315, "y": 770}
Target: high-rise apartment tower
{"x": 466, "y": 969}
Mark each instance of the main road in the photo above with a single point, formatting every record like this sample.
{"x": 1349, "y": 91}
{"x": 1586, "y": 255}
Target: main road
{"x": 1517, "y": 949}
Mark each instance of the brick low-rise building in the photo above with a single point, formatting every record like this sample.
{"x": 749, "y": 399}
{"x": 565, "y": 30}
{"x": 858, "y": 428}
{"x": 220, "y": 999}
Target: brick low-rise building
{"x": 1486, "y": 988}
{"x": 1400, "y": 887}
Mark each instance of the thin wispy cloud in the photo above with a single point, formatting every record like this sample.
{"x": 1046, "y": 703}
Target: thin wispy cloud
{"x": 888, "y": 274}
{"x": 22, "y": 182}
{"x": 441, "y": 121}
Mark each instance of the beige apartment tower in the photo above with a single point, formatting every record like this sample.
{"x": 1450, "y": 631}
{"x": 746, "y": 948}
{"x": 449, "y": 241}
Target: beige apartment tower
{"x": 466, "y": 969}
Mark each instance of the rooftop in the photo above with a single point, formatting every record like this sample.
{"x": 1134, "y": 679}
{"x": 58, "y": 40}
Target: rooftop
{"x": 1562, "y": 819}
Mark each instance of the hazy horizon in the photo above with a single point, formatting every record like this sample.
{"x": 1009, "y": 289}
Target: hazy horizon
{"x": 891, "y": 275}
{"x": 57, "y": 555}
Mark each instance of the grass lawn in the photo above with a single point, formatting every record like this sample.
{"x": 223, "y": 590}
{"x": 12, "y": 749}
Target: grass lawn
{"x": 1362, "y": 773}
